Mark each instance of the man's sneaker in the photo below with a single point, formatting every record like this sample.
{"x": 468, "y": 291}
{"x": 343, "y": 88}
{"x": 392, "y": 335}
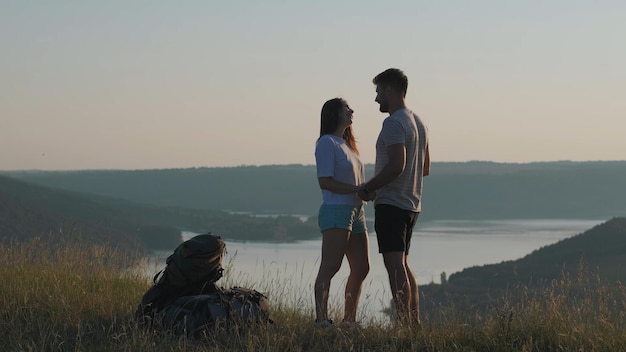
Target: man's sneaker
{"x": 324, "y": 323}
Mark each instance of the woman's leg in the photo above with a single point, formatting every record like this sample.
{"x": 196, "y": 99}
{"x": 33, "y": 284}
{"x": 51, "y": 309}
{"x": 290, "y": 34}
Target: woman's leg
{"x": 358, "y": 256}
{"x": 334, "y": 243}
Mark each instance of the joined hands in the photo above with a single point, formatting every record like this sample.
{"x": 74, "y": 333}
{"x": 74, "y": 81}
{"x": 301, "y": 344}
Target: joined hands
{"x": 365, "y": 194}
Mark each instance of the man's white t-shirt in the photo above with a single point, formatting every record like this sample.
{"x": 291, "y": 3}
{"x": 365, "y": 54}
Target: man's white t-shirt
{"x": 403, "y": 127}
{"x": 334, "y": 158}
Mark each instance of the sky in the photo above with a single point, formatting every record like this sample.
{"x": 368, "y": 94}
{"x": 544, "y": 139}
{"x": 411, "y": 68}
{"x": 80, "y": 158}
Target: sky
{"x": 177, "y": 84}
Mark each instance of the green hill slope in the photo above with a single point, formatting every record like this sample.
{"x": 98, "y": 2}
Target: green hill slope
{"x": 602, "y": 247}
{"x": 599, "y": 253}
{"x": 28, "y": 210}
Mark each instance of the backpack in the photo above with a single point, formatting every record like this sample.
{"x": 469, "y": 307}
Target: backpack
{"x": 223, "y": 309}
{"x": 185, "y": 291}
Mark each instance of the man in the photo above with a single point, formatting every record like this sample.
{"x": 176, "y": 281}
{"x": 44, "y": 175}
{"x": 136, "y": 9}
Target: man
{"x": 402, "y": 160}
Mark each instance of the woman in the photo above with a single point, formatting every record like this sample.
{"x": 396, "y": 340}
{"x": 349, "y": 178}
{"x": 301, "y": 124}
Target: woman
{"x": 341, "y": 216}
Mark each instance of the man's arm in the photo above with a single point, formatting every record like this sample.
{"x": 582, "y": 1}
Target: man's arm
{"x": 397, "y": 161}
{"x": 426, "y": 162}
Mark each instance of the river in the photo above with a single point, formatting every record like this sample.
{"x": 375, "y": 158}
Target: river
{"x": 286, "y": 271}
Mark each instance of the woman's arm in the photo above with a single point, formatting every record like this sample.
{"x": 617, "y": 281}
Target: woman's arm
{"x": 330, "y": 184}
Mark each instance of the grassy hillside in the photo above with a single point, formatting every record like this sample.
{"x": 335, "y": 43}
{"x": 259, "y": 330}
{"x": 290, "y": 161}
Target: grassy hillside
{"x": 28, "y": 210}
{"x": 469, "y": 190}
{"x": 79, "y": 296}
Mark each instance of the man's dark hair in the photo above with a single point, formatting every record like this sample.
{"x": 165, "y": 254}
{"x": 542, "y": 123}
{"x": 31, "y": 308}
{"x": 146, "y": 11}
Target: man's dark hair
{"x": 394, "y": 78}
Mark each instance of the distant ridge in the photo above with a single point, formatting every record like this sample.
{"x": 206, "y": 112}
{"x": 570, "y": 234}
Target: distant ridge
{"x": 476, "y": 190}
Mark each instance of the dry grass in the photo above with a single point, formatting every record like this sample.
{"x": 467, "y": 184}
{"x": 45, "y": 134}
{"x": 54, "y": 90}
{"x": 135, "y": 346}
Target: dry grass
{"x": 77, "y": 296}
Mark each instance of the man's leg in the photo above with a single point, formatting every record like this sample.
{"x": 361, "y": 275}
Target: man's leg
{"x": 414, "y": 300}
{"x": 399, "y": 282}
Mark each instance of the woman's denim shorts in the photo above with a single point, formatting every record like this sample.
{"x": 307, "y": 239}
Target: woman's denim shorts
{"x": 349, "y": 217}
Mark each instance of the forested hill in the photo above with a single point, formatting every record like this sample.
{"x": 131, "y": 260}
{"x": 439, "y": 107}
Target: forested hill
{"x": 28, "y": 210}
{"x": 468, "y": 190}
{"x": 601, "y": 248}
{"x": 594, "y": 258}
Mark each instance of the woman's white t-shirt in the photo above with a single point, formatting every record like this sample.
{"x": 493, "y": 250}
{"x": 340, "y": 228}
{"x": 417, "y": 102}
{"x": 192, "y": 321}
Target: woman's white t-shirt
{"x": 334, "y": 158}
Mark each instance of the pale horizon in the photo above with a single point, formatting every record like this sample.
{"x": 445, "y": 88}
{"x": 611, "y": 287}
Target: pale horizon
{"x": 127, "y": 86}
{"x": 307, "y": 165}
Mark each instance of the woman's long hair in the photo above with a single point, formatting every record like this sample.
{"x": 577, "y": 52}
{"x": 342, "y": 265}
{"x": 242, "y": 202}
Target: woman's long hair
{"x": 331, "y": 111}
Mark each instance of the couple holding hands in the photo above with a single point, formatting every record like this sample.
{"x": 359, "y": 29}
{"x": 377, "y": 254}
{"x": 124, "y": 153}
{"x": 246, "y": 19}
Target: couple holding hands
{"x": 402, "y": 160}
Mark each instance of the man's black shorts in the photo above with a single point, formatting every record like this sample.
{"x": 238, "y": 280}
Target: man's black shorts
{"x": 394, "y": 228}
